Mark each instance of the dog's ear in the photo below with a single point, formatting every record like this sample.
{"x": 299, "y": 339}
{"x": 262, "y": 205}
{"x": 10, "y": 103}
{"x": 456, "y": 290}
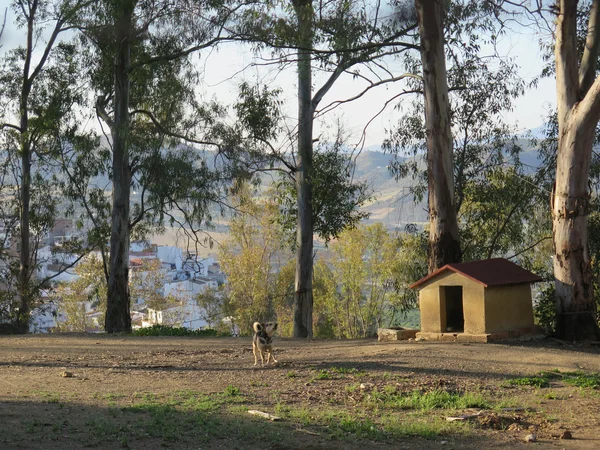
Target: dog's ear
{"x": 257, "y": 327}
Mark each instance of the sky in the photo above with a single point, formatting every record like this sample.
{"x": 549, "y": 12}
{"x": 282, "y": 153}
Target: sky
{"x": 223, "y": 73}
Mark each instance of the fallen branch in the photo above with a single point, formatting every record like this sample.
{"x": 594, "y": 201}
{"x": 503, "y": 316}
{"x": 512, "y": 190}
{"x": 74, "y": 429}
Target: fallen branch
{"x": 465, "y": 416}
{"x": 312, "y": 433}
{"x": 264, "y": 415}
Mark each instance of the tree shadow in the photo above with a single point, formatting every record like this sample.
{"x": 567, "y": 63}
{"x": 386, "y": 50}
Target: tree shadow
{"x": 149, "y": 425}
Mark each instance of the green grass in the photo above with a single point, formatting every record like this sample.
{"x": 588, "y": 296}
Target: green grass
{"x": 345, "y": 370}
{"x": 536, "y": 381}
{"x": 425, "y": 401}
{"x": 323, "y": 375}
{"x": 343, "y": 424}
{"x": 334, "y": 373}
{"x": 48, "y": 397}
{"x": 582, "y": 379}
{"x": 542, "y": 379}
{"x": 181, "y": 417}
{"x": 231, "y": 391}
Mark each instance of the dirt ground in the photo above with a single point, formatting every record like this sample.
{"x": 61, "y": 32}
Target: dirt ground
{"x": 109, "y": 376}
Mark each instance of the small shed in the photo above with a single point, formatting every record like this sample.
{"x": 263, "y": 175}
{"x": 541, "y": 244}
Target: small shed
{"x": 476, "y": 301}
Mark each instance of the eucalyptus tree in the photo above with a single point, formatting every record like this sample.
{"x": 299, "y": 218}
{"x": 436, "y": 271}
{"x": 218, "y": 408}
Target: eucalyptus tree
{"x": 444, "y": 244}
{"x": 143, "y": 76}
{"x": 333, "y": 39}
{"x": 578, "y": 102}
{"x": 39, "y": 95}
{"x": 456, "y": 123}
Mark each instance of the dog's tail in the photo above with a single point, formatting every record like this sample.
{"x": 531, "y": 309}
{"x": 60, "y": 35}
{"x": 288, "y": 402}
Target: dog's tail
{"x": 257, "y": 327}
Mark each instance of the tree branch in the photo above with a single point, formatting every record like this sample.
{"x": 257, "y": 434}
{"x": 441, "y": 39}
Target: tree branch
{"x": 162, "y": 129}
{"x": 101, "y": 112}
{"x": 336, "y": 103}
{"x": 565, "y": 53}
{"x": 10, "y": 125}
{"x": 587, "y": 70}
{"x": 545, "y": 238}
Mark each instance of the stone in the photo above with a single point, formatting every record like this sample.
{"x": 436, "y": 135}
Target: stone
{"x": 395, "y": 334}
{"x": 531, "y": 437}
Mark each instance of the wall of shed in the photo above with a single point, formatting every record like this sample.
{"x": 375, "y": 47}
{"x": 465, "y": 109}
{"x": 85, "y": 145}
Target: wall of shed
{"x": 433, "y": 304}
{"x": 508, "y": 308}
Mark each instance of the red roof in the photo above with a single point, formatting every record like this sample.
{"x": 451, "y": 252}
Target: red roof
{"x": 488, "y": 272}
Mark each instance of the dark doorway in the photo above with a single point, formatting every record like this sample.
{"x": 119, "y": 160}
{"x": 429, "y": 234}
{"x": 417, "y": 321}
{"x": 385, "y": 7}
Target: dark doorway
{"x": 455, "y": 318}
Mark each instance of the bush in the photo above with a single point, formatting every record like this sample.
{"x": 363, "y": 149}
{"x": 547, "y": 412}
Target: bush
{"x": 545, "y": 309}
{"x": 163, "y": 330}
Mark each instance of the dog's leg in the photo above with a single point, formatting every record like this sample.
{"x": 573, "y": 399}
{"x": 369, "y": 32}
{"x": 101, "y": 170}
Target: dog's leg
{"x": 254, "y": 351}
{"x": 268, "y": 357}
{"x": 273, "y": 355}
{"x": 262, "y": 361}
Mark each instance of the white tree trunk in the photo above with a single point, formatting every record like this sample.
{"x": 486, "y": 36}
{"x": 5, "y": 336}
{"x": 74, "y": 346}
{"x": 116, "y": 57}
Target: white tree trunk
{"x": 578, "y": 99}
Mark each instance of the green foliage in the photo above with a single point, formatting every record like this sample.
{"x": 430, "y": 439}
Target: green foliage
{"x": 254, "y": 248}
{"x": 213, "y": 307}
{"x": 163, "y": 330}
{"x": 410, "y": 319}
{"x": 362, "y": 286}
{"x": 146, "y": 285}
{"x": 336, "y": 199}
{"x": 74, "y": 298}
{"x": 544, "y": 309}
{"x": 373, "y": 269}
{"x": 258, "y": 111}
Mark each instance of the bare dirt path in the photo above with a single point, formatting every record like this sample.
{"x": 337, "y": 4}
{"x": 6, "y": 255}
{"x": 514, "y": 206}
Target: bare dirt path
{"x": 157, "y": 392}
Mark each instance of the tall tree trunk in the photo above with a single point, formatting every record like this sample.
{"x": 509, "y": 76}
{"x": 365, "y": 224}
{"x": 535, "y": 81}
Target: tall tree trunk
{"x": 576, "y": 318}
{"x": 25, "y": 249}
{"x": 578, "y": 101}
{"x": 303, "y": 293}
{"x": 444, "y": 244}
{"x": 117, "y": 307}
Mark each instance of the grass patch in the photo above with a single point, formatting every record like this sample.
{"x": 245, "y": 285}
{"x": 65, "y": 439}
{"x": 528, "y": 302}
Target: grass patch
{"x": 345, "y": 370}
{"x": 352, "y": 425}
{"x": 542, "y": 380}
{"x": 334, "y": 373}
{"x": 109, "y": 396}
{"x": 535, "y": 381}
{"x": 582, "y": 379}
{"x": 425, "y": 401}
{"x": 231, "y": 391}
{"x": 323, "y": 375}
{"x": 48, "y": 397}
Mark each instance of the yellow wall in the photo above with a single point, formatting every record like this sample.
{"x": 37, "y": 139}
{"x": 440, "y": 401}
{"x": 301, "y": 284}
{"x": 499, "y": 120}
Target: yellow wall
{"x": 433, "y": 306}
{"x": 508, "y": 308}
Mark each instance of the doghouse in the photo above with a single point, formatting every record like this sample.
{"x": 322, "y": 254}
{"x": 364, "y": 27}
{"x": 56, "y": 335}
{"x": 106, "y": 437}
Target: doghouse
{"x": 476, "y": 301}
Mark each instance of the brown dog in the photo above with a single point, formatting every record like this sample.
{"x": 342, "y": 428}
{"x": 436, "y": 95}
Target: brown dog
{"x": 262, "y": 342}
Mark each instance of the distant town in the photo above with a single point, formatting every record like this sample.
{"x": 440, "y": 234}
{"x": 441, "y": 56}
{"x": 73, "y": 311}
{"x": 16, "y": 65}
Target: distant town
{"x": 181, "y": 275}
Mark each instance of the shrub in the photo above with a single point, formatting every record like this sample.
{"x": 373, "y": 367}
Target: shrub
{"x": 163, "y": 330}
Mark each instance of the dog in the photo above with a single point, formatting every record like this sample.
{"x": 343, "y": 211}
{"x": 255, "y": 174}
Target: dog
{"x": 262, "y": 342}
